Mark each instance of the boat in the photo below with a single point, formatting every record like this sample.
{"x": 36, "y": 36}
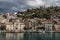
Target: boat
{"x": 43, "y": 32}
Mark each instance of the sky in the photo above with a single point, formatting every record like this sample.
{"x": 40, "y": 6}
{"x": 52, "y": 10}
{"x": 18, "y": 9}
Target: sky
{"x": 19, "y": 5}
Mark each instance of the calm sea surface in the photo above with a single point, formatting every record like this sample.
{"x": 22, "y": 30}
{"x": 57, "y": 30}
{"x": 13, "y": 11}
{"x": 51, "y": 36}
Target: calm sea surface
{"x": 29, "y": 36}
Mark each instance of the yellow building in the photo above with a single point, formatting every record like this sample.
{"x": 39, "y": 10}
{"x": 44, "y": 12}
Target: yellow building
{"x": 16, "y": 27}
{"x": 9, "y": 27}
{"x": 57, "y": 27}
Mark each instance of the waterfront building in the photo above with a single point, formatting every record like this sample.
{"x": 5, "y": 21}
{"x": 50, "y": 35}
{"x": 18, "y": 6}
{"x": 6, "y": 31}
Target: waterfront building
{"x": 48, "y": 24}
{"x": 9, "y": 27}
{"x": 15, "y": 26}
{"x": 57, "y": 27}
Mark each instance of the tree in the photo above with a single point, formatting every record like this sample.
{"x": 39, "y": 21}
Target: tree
{"x": 5, "y": 16}
{"x": 47, "y": 16}
{"x": 3, "y": 27}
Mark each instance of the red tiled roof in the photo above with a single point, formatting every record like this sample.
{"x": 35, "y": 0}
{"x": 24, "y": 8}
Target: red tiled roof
{"x": 48, "y": 21}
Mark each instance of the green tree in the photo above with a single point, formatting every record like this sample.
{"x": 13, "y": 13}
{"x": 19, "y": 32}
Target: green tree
{"x": 47, "y": 16}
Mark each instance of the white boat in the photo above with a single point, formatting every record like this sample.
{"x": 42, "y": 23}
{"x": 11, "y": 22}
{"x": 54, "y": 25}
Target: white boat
{"x": 43, "y": 32}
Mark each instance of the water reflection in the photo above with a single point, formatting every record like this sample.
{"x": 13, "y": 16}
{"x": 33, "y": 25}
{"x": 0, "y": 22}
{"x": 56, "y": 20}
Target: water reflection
{"x": 14, "y": 36}
{"x": 29, "y": 36}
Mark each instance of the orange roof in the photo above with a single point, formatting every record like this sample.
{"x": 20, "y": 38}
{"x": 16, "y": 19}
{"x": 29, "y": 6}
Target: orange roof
{"x": 48, "y": 21}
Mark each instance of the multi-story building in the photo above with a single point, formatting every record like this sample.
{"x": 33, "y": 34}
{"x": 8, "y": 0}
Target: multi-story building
{"x": 15, "y": 26}
{"x": 48, "y": 24}
{"x": 57, "y": 27}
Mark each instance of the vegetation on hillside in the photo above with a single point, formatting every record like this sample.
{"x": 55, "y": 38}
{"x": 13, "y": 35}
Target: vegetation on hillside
{"x": 42, "y": 12}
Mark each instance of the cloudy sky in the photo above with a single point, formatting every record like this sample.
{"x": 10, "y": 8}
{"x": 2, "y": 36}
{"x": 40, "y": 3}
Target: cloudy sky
{"x": 18, "y": 5}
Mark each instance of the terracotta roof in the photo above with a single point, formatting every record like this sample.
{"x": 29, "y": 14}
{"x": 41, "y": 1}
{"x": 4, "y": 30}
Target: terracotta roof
{"x": 47, "y": 21}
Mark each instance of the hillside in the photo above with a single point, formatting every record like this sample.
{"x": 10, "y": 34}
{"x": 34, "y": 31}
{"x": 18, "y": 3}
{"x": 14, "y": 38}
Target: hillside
{"x": 41, "y": 12}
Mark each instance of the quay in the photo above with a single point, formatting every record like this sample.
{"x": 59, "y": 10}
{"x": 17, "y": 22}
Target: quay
{"x": 29, "y": 31}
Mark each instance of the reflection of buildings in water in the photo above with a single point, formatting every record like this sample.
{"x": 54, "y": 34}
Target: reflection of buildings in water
{"x": 14, "y": 36}
{"x": 2, "y": 36}
{"x": 56, "y": 36}
{"x": 31, "y": 36}
{"x": 9, "y": 35}
{"x": 49, "y": 36}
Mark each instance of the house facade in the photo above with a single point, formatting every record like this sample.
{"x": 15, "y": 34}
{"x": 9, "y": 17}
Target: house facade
{"x": 57, "y": 27}
{"x": 48, "y": 24}
{"x": 15, "y": 27}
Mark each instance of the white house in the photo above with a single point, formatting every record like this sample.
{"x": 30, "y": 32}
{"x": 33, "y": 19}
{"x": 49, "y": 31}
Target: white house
{"x": 48, "y": 25}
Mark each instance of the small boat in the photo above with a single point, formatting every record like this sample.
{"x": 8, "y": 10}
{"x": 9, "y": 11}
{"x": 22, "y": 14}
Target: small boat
{"x": 43, "y": 32}
{"x": 40, "y": 31}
